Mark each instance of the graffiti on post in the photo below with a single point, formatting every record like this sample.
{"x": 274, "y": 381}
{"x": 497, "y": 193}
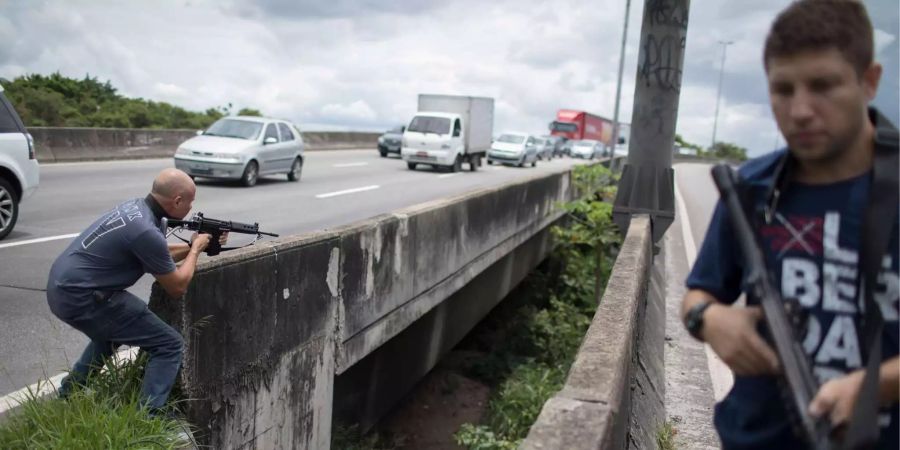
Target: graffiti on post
{"x": 668, "y": 12}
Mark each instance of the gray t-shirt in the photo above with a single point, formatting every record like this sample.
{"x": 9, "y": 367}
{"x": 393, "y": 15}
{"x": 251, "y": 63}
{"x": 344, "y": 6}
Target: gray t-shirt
{"x": 110, "y": 255}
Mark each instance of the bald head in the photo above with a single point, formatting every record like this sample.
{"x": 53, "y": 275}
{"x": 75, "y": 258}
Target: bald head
{"x": 174, "y": 190}
{"x": 171, "y": 183}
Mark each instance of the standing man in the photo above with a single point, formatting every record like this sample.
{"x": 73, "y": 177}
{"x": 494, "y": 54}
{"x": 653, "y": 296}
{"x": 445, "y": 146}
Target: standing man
{"x": 86, "y": 287}
{"x": 821, "y": 75}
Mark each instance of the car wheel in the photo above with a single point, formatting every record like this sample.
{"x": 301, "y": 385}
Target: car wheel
{"x": 251, "y": 174}
{"x": 9, "y": 208}
{"x": 457, "y": 164}
{"x": 383, "y": 154}
{"x": 296, "y": 170}
{"x": 490, "y": 162}
{"x": 411, "y": 165}
{"x": 474, "y": 162}
{"x": 534, "y": 163}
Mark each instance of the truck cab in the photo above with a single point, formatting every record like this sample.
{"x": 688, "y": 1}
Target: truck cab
{"x": 449, "y": 130}
{"x": 434, "y": 138}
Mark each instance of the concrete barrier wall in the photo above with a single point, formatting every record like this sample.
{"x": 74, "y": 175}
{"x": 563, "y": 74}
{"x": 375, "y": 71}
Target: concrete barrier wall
{"x": 608, "y": 378}
{"x": 267, "y": 327}
{"x": 95, "y": 144}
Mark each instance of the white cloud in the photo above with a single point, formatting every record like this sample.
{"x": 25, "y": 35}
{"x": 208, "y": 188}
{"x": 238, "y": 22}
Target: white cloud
{"x": 359, "y": 64}
{"x": 882, "y": 40}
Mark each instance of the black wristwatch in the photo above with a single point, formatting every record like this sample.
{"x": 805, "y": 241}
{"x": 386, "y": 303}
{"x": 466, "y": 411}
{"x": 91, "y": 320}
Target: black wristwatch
{"x": 693, "y": 320}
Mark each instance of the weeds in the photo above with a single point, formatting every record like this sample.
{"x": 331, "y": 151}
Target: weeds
{"x": 665, "y": 437}
{"x": 106, "y": 413}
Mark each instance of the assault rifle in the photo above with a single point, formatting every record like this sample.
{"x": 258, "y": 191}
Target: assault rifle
{"x": 801, "y": 384}
{"x": 215, "y": 228}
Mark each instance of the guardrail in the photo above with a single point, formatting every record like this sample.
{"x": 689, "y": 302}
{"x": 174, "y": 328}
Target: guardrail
{"x": 97, "y": 144}
{"x": 594, "y": 408}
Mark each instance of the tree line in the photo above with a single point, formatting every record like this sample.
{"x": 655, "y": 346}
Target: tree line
{"x": 59, "y": 101}
{"x": 724, "y": 150}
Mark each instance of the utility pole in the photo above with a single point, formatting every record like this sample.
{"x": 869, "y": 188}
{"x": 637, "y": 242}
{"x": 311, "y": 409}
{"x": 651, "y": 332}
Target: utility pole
{"x": 724, "y": 45}
{"x": 647, "y": 183}
{"x": 615, "y": 136}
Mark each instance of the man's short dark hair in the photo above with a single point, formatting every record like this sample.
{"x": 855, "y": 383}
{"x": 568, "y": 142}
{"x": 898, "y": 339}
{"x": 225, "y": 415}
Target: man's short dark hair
{"x": 820, "y": 25}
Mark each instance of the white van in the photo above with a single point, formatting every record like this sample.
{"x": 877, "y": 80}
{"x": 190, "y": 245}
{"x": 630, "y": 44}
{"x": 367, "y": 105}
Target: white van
{"x": 19, "y": 170}
{"x": 449, "y": 130}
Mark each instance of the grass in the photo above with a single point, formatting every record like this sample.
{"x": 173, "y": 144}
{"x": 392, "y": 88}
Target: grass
{"x": 665, "y": 437}
{"x": 106, "y": 413}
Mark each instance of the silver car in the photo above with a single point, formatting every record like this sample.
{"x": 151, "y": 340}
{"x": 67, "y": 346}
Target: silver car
{"x": 513, "y": 148}
{"x": 587, "y": 149}
{"x": 243, "y": 148}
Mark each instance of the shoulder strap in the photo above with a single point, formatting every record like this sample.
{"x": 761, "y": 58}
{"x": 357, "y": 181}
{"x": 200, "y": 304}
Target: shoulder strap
{"x": 878, "y": 222}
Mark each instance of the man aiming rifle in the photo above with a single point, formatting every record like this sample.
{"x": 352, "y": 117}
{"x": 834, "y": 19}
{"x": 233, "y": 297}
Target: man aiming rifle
{"x": 811, "y": 211}
{"x": 87, "y": 284}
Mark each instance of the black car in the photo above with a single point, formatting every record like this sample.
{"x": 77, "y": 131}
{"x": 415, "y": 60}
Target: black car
{"x": 389, "y": 142}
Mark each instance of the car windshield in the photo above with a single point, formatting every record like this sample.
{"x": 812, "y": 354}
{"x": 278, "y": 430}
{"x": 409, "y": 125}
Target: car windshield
{"x": 396, "y": 130}
{"x": 539, "y": 141}
{"x": 511, "y": 138}
{"x": 428, "y": 124}
{"x": 232, "y": 128}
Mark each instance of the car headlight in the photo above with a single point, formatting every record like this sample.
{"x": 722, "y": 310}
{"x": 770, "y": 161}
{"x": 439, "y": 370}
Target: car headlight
{"x": 381, "y": 139}
{"x": 181, "y": 151}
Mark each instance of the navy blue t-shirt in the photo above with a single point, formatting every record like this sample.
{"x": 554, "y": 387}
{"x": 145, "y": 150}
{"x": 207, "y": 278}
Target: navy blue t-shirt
{"x": 110, "y": 255}
{"x": 811, "y": 248}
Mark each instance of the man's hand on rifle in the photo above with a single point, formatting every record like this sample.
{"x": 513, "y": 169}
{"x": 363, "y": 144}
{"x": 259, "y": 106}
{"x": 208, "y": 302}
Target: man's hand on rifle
{"x": 199, "y": 241}
{"x": 731, "y": 332}
{"x": 837, "y": 397}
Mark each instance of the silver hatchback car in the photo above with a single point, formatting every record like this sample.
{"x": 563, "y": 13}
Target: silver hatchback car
{"x": 243, "y": 148}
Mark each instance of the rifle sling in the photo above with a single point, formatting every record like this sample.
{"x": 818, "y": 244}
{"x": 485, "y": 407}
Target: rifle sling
{"x": 878, "y": 222}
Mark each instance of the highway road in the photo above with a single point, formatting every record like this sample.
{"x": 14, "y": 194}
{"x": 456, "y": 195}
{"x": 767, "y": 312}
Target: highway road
{"x": 336, "y": 188}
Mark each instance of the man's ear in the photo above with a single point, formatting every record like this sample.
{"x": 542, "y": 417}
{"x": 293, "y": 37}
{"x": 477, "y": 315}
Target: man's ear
{"x": 871, "y": 77}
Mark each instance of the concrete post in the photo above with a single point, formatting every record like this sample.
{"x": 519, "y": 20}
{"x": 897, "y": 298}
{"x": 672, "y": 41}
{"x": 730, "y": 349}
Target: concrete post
{"x": 647, "y": 183}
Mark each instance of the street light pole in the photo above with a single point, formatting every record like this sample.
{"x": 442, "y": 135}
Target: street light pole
{"x": 724, "y": 45}
{"x": 615, "y": 136}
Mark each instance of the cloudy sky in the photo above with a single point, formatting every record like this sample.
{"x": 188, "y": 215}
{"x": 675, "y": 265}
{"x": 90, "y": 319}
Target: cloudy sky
{"x": 358, "y": 64}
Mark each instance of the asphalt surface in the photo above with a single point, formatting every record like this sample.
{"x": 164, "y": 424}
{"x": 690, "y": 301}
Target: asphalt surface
{"x": 35, "y": 345}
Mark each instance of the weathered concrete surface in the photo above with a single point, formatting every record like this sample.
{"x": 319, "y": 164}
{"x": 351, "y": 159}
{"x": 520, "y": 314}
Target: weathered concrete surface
{"x": 259, "y": 331}
{"x": 593, "y": 409}
{"x": 402, "y": 266}
{"x": 280, "y": 318}
{"x": 689, "y": 388}
{"x": 372, "y": 387}
{"x": 95, "y": 144}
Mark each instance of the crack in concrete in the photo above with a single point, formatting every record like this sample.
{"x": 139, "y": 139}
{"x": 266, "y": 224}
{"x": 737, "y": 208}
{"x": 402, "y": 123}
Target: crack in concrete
{"x": 22, "y": 288}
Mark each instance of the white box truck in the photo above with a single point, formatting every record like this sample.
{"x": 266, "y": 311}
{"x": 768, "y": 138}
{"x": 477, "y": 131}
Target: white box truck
{"x": 449, "y": 130}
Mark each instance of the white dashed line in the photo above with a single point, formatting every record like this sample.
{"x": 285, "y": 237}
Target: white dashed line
{"x": 358, "y": 164}
{"x": 448, "y": 175}
{"x": 39, "y": 240}
{"x": 349, "y": 191}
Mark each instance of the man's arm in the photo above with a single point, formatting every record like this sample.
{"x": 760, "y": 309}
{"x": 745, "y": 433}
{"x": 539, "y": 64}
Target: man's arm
{"x": 731, "y": 332}
{"x": 176, "y": 282}
{"x": 179, "y": 250}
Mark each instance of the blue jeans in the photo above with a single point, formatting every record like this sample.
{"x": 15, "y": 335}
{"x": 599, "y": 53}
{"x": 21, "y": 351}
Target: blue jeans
{"x": 124, "y": 319}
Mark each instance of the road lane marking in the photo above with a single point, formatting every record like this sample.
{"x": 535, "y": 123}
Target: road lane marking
{"x": 45, "y": 388}
{"x": 39, "y": 240}
{"x": 448, "y": 175}
{"x": 349, "y": 191}
{"x": 358, "y": 164}
{"x": 719, "y": 373}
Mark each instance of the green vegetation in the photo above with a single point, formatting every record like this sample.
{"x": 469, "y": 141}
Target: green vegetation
{"x": 107, "y": 413}
{"x": 59, "y": 101}
{"x": 665, "y": 437}
{"x": 531, "y": 341}
{"x": 722, "y": 150}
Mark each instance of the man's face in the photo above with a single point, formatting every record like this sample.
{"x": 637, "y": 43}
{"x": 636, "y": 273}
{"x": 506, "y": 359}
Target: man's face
{"x": 182, "y": 204}
{"x": 819, "y": 102}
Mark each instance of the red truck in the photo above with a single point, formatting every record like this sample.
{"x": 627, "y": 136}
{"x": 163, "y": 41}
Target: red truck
{"x": 577, "y": 125}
